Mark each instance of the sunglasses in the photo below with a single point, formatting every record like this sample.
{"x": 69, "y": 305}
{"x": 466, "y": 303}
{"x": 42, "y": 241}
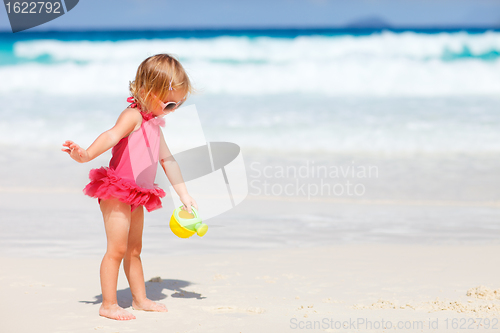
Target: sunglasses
{"x": 170, "y": 106}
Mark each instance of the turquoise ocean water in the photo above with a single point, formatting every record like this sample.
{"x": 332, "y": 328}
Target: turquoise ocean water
{"x": 347, "y": 91}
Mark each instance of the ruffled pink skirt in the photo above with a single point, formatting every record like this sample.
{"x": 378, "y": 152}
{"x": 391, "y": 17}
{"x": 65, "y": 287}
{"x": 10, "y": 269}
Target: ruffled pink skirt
{"x": 105, "y": 184}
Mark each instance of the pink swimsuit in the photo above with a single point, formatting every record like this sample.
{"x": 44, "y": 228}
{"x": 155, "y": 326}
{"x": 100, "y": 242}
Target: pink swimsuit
{"x": 132, "y": 169}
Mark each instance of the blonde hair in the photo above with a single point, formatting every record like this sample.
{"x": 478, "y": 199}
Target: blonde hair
{"x": 156, "y": 75}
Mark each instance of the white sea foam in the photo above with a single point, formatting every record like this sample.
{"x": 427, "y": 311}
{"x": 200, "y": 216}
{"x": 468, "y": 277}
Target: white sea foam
{"x": 283, "y": 124}
{"x": 385, "y": 64}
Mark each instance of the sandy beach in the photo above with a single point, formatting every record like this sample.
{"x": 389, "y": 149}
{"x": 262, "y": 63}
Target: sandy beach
{"x": 263, "y": 291}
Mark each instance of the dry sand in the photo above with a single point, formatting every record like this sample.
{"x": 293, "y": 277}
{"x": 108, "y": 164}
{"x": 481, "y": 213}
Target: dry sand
{"x": 284, "y": 290}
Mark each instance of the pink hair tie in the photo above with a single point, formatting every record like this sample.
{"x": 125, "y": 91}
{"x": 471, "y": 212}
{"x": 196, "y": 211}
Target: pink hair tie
{"x": 131, "y": 100}
{"x": 170, "y": 85}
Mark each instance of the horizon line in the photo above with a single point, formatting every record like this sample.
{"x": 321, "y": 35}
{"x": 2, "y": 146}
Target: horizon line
{"x": 269, "y": 28}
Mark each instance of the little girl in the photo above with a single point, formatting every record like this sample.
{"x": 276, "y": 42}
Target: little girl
{"x": 161, "y": 85}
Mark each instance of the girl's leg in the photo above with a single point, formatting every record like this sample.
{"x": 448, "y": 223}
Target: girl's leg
{"x": 116, "y": 215}
{"x": 133, "y": 266}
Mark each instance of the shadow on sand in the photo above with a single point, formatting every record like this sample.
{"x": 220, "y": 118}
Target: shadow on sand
{"x": 154, "y": 291}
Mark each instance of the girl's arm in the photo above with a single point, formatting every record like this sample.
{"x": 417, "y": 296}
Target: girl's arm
{"x": 173, "y": 172}
{"x": 128, "y": 121}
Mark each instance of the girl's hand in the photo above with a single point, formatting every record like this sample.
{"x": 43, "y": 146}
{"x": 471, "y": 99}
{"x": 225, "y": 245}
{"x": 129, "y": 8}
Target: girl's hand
{"x": 76, "y": 152}
{"x": 188, "y": 202}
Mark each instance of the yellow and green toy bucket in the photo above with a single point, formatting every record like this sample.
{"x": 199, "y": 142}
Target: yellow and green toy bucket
{"x": 184, "y": 225}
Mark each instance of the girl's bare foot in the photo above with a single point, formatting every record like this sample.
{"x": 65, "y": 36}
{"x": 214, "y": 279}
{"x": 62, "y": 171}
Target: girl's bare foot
{"x": 149, "y": 305}
{"x": 115, "y": 312}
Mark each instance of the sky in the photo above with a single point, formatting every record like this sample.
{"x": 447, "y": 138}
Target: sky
{"x": 193, "y": 14}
